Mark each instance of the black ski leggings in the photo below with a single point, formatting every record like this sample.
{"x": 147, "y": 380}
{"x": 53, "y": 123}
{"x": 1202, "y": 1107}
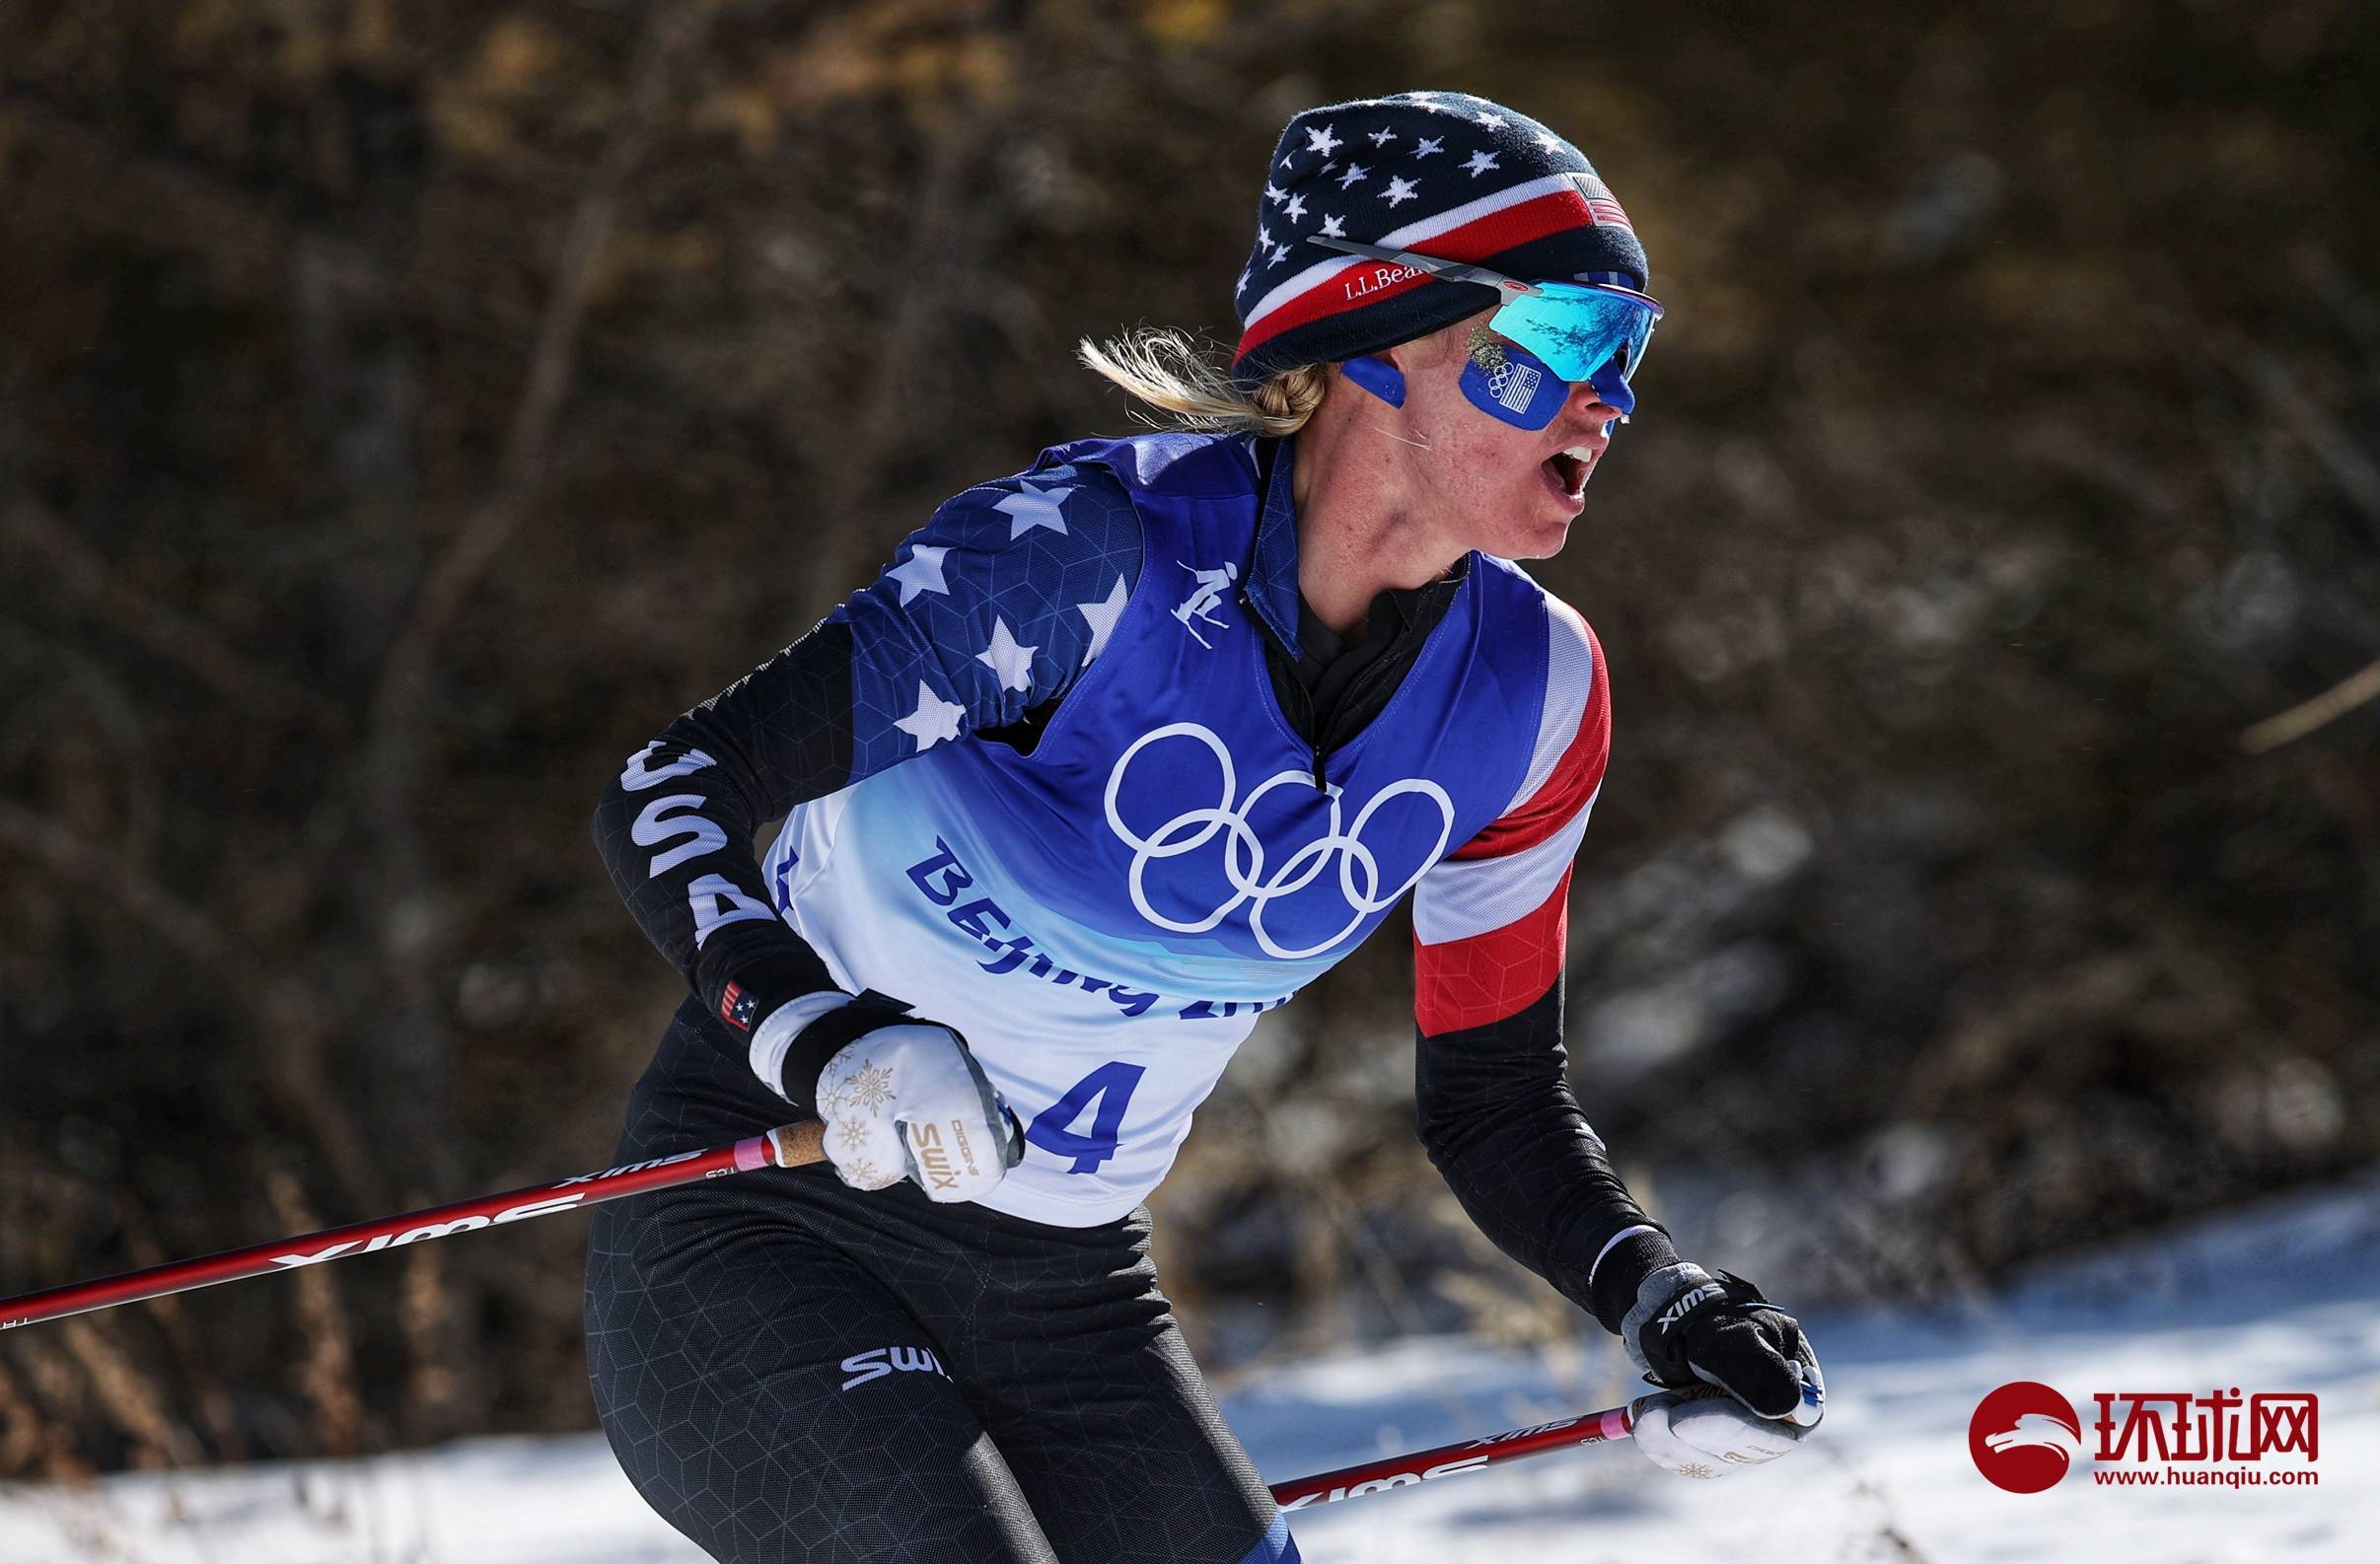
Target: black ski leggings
{"x": 791, "y": 1370}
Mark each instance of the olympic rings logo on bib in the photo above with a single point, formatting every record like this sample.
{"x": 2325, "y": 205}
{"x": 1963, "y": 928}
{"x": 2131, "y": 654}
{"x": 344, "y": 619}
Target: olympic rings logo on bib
{"x": 1245, "y": 860}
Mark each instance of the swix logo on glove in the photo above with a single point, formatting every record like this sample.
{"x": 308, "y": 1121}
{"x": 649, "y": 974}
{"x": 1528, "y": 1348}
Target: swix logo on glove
{"x": 907, "y": 1100}
{"x": 1685, "y": 1303}
{"x": 925, "y": 1140}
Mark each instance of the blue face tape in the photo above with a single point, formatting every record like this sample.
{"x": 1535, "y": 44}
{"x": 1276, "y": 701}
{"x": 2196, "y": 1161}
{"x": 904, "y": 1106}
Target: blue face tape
{"x": 1507, "y": 382}
{"x": 1377, "y": 376}
{"x": 1612, "y": 388}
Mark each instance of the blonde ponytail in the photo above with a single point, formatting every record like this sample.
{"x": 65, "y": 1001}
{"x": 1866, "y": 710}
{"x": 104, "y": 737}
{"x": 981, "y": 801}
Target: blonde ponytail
{"x": 1166, "y": 369}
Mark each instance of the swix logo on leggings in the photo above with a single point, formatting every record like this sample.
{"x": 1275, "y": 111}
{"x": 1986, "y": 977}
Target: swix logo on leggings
{"x": 878, "y": 1362}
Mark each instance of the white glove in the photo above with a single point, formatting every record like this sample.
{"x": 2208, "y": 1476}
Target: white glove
{"x": 1701, "y": 1433}
{"x": 909, "y": 1101}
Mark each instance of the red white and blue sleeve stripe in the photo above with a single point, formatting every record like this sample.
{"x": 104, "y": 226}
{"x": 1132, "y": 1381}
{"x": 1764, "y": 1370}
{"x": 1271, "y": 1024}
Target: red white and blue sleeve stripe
{"x": 1491, "y": 921}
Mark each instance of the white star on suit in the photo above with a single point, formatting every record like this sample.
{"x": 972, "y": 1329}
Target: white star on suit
{"x": 1275, "y": 194}
{"x": 1334, "y": 228}
{"x": 1480, "y": 163}
{"x": 1033, "y": 508}
{"x": 1101, "y": 618}
{"x": 1399, "y": 190}
{"x": 1011, "y": 662}
{"x": 1382, "y": 137}
{"x": 1550, "y": 143}
{"x": 1295, "y": 211}
{"x": 934, "y": 720}
{"x": 1321, "y": 140}
{"x": 922, "y": 573}
{"x": 1429, "y": 146}
{"x": 1491, "y": 121}
{"x": 1355, "y": 172}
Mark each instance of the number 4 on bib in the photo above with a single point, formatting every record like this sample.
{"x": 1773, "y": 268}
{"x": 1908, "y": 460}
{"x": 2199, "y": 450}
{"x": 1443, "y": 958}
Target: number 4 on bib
{"x": 1053, "y": 1129}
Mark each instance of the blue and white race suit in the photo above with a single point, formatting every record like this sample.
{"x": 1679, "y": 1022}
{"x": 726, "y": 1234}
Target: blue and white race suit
{"x": 1057, "y": 804}
{"x": 1059, "y": 778}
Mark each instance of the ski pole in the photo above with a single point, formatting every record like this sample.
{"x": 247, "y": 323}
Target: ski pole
{"x": 1447, "y": 1461}
{"x": 787, "y": 1146}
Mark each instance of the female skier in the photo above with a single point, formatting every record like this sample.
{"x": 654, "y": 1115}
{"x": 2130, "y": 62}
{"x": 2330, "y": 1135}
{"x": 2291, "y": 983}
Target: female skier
{"x": 1119, "y": 754}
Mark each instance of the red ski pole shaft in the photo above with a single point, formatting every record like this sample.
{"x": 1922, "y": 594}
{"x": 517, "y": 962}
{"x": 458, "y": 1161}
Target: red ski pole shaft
{"x": 1449, "y": 1461}
{"x": 788, "y": 1146}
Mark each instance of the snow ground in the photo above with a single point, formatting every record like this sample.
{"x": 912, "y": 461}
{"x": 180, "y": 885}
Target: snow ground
{"x": 2284, "y": 1296}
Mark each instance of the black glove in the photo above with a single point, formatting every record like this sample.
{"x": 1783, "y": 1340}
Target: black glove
{"x": 1689, "y": 1325}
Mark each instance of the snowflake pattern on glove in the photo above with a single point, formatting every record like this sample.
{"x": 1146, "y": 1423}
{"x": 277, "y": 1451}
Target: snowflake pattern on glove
{"x": 869, "y": 1088}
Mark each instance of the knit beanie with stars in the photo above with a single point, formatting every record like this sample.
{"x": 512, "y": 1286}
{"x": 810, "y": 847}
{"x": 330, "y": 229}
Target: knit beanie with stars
{"x": 1442, "y": 173}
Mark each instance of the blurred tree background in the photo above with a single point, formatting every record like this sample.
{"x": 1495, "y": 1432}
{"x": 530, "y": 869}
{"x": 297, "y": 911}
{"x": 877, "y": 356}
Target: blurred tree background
{"x": 406, "y": 409}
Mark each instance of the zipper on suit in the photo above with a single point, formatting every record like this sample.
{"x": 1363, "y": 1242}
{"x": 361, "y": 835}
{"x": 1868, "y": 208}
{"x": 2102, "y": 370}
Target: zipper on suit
{"x": 1314, "y": 737}
{"x": 1305, "y": 697}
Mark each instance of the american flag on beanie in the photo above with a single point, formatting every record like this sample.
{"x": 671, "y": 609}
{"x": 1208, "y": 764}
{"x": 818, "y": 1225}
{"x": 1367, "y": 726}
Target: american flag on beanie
{"x": 1443, "y": 174}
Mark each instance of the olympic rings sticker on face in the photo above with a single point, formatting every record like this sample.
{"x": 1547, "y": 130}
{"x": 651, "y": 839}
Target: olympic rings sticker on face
{"x": 1244, "y": 855}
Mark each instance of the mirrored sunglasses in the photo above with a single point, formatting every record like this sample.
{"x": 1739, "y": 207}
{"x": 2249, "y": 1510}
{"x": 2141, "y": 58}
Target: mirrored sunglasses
{"x": 1578, "y": 329}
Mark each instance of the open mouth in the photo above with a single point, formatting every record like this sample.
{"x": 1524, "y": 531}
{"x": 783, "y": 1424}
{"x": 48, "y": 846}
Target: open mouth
{"x": 1566, "y": 471}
